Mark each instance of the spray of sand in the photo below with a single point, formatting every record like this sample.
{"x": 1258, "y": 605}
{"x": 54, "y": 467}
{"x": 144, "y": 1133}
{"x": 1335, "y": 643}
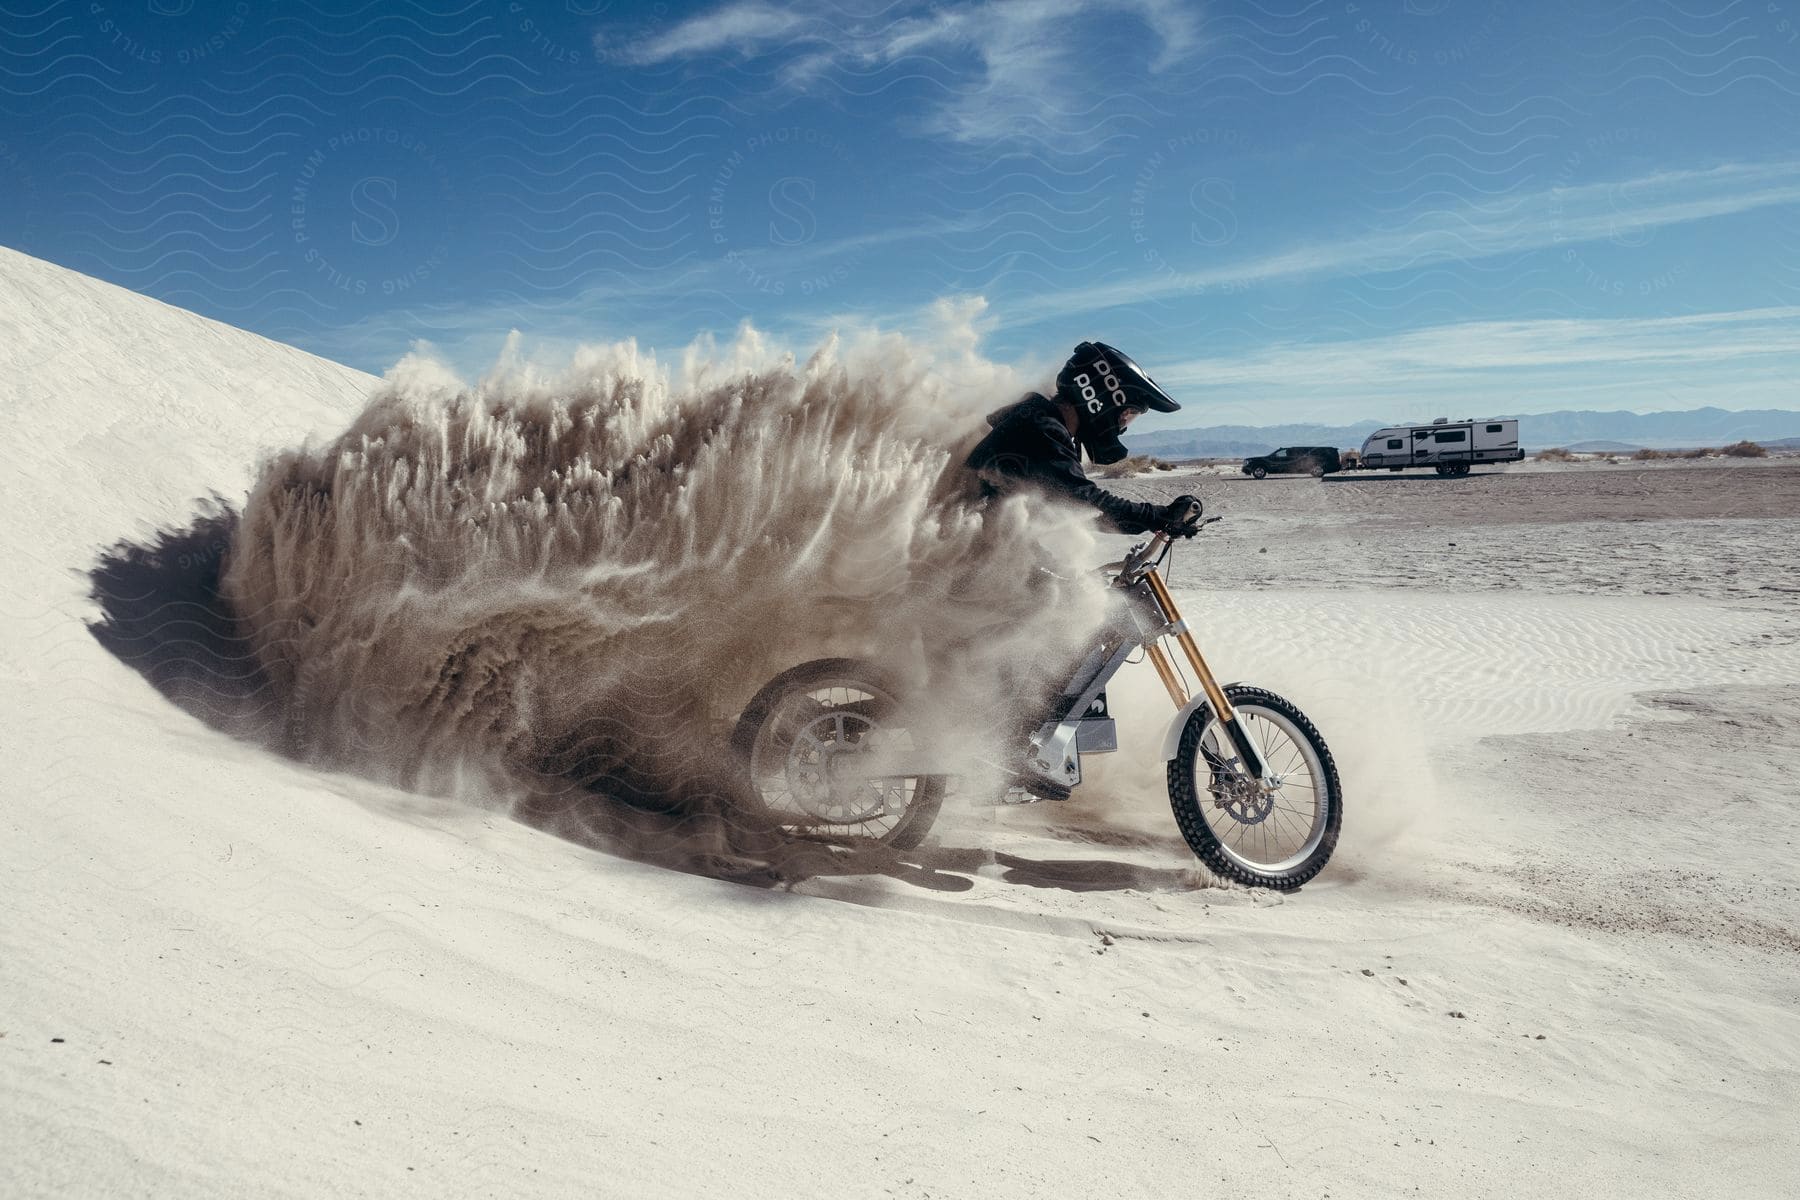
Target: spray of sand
{"x": 551, "y": 589}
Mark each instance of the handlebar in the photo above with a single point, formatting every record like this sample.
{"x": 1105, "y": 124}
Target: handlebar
{"x": 1142, "y": 558}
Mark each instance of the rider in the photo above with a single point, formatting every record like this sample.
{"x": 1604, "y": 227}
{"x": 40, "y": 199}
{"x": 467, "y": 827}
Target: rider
{"x": 1037, "y": 442}
{"x": 1034, "y": 441}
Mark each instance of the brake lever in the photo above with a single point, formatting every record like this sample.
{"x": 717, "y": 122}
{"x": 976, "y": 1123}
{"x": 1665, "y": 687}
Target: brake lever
{"x": 1197, "y": 526}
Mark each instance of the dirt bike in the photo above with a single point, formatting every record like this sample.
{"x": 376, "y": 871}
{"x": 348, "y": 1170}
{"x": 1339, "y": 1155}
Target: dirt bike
{"x": 832, "y": 751}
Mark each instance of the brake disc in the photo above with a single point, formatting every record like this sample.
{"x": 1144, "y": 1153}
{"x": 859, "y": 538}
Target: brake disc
{"x": 1247, "y": 800}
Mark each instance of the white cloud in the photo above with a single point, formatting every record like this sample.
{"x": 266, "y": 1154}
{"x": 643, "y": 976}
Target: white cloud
{"x": 1471, "y": 230}
{"x": 743, "y": 28}
{"x": 1453, "y": 353}
{"x": 1742, "y": 359}
{"x": 1018, "y": 64}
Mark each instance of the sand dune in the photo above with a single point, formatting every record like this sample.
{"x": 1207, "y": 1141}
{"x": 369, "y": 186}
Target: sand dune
{"x": 1555, "y": 953}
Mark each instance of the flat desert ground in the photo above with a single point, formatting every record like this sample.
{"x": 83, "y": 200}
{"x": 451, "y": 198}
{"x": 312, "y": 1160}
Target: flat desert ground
{"x": 1557, "y": 953}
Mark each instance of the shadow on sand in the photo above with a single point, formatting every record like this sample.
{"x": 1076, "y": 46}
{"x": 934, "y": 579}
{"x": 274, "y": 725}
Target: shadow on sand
{"x": 954, "y": 868}
{"x": 162, "y": 615}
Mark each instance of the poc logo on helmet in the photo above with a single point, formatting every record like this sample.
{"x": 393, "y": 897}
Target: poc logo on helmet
{"x": 1107, "y": 379}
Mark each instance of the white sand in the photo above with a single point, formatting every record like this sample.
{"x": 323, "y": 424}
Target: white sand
{"x": 269, "y": 980}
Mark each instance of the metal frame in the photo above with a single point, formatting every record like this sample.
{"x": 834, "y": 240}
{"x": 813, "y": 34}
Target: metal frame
{"x": 1148, "y": 616}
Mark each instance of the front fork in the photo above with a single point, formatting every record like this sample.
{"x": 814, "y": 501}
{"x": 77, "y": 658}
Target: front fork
{"x": 1215, "y": 695}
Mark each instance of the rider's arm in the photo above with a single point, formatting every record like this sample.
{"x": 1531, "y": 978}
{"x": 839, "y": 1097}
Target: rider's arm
{"x": 1059, "y": 467}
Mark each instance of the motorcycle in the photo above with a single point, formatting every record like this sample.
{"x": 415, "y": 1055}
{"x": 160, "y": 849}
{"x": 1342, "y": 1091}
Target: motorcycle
{"x": 833, "y": 752}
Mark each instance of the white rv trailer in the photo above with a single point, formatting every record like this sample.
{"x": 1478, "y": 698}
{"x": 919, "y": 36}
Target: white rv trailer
{"x": 1452, "y": 447}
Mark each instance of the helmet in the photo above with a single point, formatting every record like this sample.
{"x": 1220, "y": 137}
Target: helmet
{"x": 1102, "y": 384}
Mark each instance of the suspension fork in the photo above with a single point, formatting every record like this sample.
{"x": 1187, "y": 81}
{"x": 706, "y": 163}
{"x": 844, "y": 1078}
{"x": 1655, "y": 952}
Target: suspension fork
{"x": 1215, "y": 695}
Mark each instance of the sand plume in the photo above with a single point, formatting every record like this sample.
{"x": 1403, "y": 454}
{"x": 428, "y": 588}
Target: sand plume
{"x": 545, "y": 588}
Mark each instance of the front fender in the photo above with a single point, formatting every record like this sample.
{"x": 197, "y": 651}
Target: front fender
{"x": 1172, "y": 739}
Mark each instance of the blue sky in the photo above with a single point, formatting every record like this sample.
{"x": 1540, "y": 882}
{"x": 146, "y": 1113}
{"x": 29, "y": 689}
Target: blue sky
{"x": 1325, "y": 210}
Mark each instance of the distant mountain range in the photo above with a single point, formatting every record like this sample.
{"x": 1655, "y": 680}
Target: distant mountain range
{"x": 1617, "y": 431}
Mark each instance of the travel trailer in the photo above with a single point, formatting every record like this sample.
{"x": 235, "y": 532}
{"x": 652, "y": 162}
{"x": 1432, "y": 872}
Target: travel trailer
{"x": 1451, "y": 447}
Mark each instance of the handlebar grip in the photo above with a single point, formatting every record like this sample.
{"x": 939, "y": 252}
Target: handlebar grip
{"x": 1181, "y": 516}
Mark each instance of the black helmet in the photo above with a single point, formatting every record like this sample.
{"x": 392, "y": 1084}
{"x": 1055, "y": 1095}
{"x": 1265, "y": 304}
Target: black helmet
{"x": 1102, "y": 383}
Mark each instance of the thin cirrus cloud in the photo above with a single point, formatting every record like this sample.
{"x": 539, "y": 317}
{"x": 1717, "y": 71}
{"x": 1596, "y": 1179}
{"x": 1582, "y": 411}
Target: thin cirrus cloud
{"x": 1012, "y": 63}
{"x": 467, "y": 332}
{"x": 1473, "y": 347}
{"x": 1745, "y": 358}
{"x": 1619, "y": 209}
{"x": 1628, "y": 208}
{"x": 742, "y": 28}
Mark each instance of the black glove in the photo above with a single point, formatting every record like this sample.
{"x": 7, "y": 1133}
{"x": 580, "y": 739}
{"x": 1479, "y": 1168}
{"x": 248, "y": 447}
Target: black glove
{"x": 1180, "y": 517}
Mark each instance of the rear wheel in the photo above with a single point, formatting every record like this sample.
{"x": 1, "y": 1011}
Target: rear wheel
{"x": 809, "y": 740}
{"x": 1276, "y": 832}
{"x": 1318, "y": 472}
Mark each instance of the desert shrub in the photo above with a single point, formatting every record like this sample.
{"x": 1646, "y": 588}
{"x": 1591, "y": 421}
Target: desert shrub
{"x": 1555, "y": 454}
{"x": 1136, "y": 464}
{"x": 1696, "y": 452}
{"x": 1744, "y": 449}
{"x": 1649, "y": 455}
{"x": 1157, "y": 464}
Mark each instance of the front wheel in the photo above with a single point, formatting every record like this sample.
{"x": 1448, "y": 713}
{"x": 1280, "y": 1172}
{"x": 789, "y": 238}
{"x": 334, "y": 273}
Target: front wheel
{"x": 813, "y": 741}
{"x": 1259, "y": 473}
{"x": 1276, "y": 832}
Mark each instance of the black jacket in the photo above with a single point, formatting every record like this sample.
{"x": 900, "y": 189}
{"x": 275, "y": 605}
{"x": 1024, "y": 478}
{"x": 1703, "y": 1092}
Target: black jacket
{"x": 1031, "y": 446}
